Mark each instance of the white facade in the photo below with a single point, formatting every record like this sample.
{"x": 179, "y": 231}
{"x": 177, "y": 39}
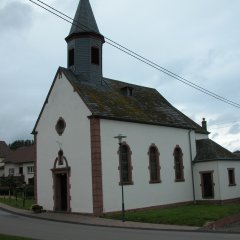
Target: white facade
{"x": 222, "y": 190}
{"x": 139, "y": 138}
{"x": 75, "y": 142}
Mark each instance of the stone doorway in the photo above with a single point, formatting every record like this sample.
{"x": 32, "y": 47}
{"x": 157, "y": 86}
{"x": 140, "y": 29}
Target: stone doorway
{"x": 61, "y": 184}
{"x": 207, "y": 185}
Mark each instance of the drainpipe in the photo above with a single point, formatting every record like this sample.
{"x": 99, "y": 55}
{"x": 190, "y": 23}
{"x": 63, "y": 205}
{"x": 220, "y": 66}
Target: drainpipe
{"x": 191, "y": 159}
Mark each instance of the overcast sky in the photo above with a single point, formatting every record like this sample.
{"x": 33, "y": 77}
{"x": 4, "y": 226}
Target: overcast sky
{"x": 199, "y": 40}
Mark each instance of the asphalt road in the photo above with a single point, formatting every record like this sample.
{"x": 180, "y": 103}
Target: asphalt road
{"x": 49, "y": 230}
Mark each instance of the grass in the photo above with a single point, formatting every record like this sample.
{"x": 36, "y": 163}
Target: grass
{"x": 17, "y": 203}
{"x": 7, "y": 237}
{"x": 189, "y": 215}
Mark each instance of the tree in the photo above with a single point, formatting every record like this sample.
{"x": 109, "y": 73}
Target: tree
{"x": 20, "y": 143}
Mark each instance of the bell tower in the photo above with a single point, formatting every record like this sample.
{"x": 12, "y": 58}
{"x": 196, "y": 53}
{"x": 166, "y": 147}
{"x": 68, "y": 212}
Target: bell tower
{"x": 85, "y": 46}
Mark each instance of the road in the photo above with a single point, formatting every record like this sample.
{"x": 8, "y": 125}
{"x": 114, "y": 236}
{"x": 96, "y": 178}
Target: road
{"x": 49, "y": 230}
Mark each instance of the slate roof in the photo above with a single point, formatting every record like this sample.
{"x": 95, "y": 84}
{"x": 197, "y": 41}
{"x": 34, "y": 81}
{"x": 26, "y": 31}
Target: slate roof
{"x": 4, "y": 149}
{"x": 84, "y": 20}
{"x": 146, "y": 105}
{"x": 22, "y": 155}
{"x": 237, "y": 153}
{"x": 208, "y": 150}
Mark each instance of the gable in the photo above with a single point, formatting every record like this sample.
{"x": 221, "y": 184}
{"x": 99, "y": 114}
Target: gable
{"x": 56, "y": 89}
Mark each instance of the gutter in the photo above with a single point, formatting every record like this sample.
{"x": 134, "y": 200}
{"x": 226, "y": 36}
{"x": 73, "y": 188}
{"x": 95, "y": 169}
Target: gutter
{"x": 191, "y": 159}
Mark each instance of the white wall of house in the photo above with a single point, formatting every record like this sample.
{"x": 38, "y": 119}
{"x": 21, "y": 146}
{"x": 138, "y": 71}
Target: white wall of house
{"x": 206, "y": 167}
{"x": 142, "y": 194}
{"x": 229, "y": 192}
{"x": 15, "y": 167}
{"x": 75, "y": 142}
{"x": 1, "y": 167}
{"x": 222, "y": 190}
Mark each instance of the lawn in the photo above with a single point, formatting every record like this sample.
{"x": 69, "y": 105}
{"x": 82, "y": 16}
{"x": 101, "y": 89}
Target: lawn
{"x": 7, "y": 237}
{"x": 17, "y": 203}
{"x": 189, "y": 215}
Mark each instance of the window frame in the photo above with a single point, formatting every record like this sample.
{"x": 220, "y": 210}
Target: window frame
{"x": 231, "y": 182}
{"x": 157, "y": 163}
{"x": 11, "y": 171}
{"x": 180, "y": 163}
{"x": 30, "y": 168}
{"x": 130, "y": 168}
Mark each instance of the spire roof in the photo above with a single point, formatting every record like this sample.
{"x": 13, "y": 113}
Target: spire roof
{"x": 84, "y": 18}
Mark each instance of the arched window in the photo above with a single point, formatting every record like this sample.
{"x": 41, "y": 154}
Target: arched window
{"x": 178, "y": 164}
{"x": 125, "y": 165}
{"x": 154, "y": 166}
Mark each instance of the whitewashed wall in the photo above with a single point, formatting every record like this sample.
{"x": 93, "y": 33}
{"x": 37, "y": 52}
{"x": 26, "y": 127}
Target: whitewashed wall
{"x": 222, "y": 190}
{"x": 205, "y": 167}
{"x": 229, "y": 192}
{"x": 64, "y": 102}
{"x": 140, "y": 137}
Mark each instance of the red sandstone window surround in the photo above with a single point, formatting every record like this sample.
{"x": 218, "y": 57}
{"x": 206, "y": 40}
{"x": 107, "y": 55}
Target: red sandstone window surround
{"x": 178, "y": 164}
{"x": 154, "y": 165}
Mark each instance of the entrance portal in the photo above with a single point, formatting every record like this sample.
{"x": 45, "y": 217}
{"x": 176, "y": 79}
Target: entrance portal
{"x": 61, "y": 192}
{"x": 207, "y": 185}
{"x": 61, "y": 184}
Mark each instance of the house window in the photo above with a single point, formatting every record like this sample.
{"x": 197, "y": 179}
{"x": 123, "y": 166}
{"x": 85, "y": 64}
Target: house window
{"x": 11, "y": 171}
{"x": 30, "y": 169}
{"x": 178, "y": 164}
{"x": 95, "y": 55}
{"x": 21, "y": 170}
{"x": 125, "y": 166}
{"x": 231, "y": 177}
{"x": 154, "y": 166}
{"x": 70, "y": 57}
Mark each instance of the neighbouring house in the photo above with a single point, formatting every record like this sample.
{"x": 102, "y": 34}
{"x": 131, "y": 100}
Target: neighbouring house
{"x": 21, "y": 163}
{"x": 166, "y": 158}
{"x": 4, "y": 151}
{"x": 237, "y": 153}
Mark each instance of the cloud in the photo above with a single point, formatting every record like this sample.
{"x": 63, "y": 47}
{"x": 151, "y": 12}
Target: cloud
{"x": 15, "y": 16}
{"x": 235, "y": 129}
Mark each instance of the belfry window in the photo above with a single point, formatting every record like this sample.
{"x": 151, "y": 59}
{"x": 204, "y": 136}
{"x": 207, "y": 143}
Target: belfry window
{"x": 95, "y": 55}
{"x": 71, "y": 57}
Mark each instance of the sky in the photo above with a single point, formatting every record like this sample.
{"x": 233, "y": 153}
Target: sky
{"x": 198, "y": 40}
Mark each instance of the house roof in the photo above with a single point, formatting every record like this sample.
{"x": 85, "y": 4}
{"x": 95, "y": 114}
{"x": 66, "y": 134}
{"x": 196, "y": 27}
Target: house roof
{"x": 84, "y": 20}
{"x": 22, "y": 155}
{"x": 237, "y": 153}
{"x": 4, "y": 149}
{"x": 208, "y": 150}
{"x": 108, "y": 101}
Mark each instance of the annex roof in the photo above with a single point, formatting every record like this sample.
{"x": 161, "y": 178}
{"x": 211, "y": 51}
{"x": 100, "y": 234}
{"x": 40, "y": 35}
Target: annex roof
{"x": 4, "y": 149}
{"x": 208, "y": 150}
{"x": 22, "y": 155}
{"x": 84, "y": 20}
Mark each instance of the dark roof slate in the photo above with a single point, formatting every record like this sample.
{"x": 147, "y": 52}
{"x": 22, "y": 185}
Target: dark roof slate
{"x": 146, "y": 105}
{"x": 208, "y": 150}
{"x": 4, "y": 149}
{"x": 22, "y": 155}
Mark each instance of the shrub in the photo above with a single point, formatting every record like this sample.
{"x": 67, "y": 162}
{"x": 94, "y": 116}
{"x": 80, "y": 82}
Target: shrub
{"x": 36, "y": 208}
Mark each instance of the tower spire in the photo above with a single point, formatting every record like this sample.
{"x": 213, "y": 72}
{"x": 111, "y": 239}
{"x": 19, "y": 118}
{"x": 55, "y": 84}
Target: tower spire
{"x": 85, "y": 45}
{"x": 84, "y": 20}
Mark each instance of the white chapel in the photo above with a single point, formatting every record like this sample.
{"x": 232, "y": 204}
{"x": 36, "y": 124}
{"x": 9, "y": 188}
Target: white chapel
{"x": 165, "y": 159}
